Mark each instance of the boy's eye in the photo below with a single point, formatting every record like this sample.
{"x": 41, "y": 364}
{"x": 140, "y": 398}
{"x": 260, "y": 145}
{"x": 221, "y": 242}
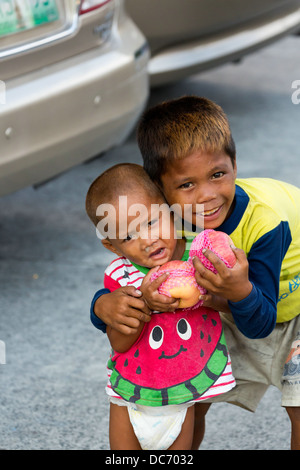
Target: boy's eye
{"x": 218, "y": 174}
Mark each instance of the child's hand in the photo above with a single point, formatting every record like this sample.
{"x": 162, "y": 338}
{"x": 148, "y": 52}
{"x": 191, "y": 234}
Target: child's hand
{"x": 230, "y": 283}
{"x": 123, "y": 310}
{"x": 156, "y": 301}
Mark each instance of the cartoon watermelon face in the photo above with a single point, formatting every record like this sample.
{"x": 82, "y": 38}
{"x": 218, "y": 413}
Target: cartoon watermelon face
{"x": 176, "y": 359}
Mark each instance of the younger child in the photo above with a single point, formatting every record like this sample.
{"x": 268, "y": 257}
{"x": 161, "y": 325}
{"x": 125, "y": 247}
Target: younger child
{"x": 176, "y": 359}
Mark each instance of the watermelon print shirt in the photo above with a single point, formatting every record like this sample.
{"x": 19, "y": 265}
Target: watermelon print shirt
{"x": 179, "y": 357}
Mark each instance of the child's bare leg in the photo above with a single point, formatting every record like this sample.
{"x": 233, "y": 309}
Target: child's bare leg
{"x": 294, "y": 415}
{"x": 121, "y": 433}
{"x": 199, "y": 429}
{"x": 185, "y": 438}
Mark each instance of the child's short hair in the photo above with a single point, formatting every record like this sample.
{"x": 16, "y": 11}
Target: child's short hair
{"x": 119, "y": 180}
{"x": 177, "y": 128}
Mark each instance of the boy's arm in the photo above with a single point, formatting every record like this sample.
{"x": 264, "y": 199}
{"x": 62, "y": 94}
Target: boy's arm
{"x": 122, "y": 308}
{"x": 265, "y": 262}
{"x": 124, "y": 301}
{"x": 254, "y": 313}
{"x": 96, "y": 321}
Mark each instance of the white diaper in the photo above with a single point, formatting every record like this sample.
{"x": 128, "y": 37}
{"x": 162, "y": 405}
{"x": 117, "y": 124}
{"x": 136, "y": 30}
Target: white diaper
{"x": 157, "y": 428}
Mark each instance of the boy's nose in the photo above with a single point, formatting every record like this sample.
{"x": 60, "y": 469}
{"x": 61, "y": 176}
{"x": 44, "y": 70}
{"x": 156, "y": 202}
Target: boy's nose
{"x": 206, "y": 194}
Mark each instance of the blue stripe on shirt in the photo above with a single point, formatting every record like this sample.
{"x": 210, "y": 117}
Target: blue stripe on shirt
{"x": 256, "y": 315}
{"x": 96, "y": 321}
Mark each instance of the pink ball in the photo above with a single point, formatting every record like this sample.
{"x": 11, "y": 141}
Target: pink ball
{"x": 218, "y": 242}
{"x": 181, "y": 283}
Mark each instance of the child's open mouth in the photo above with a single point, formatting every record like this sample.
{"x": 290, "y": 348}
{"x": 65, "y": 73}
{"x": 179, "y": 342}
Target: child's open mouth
{"x": 157, "y": 254}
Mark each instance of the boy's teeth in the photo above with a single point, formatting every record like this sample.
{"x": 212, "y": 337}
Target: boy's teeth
{"x": 210, "y": 212}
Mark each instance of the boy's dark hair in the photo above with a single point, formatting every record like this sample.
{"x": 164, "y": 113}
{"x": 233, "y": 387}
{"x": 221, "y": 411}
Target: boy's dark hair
{"x": 177, "y": 128}
{"x": 120, "y": 179}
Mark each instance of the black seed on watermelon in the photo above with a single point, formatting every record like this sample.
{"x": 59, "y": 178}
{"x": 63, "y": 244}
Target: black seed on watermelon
{"x": 209, "y": 339}
{"x": 201, "y": 353}
{"x": 136, "y": 354}
{"x": 201, "y": 334}
{"x": 126, "y": 363}
{"x": 204, "y": 317}
{"x": 214, "y": 322}
{"x": 139, "y": 370}
{"x": 182, "y": 326}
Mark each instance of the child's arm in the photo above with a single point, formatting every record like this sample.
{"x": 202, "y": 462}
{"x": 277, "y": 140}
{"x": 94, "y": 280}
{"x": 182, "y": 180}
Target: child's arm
{"x": 122, "y": 342}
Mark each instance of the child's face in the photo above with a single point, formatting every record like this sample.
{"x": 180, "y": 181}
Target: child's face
{"x": 147, "y": 237}
{"x": 202, "y": 178}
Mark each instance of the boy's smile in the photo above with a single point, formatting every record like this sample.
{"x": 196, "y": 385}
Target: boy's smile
{"x": 202, "y": 178}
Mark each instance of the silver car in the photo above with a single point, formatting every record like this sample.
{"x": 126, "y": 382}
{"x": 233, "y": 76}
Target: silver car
{"x": 188, "y": 36}
{"x": 73, "y": 82}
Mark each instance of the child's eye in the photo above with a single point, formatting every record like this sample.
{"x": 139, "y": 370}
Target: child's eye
{"x": 128, "y": 238}
{"x": 218, "y": 174}
{"x": 186, "y": 185}
{"x": 152, "y": 222}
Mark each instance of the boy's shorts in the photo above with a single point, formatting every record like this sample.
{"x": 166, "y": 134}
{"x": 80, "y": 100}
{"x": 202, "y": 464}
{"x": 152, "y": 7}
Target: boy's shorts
{"x": 258, "y": 363}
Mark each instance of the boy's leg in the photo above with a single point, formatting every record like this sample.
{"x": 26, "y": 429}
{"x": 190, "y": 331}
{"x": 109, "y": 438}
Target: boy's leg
{"x": 294, "y": 415}
{"x": 290, "y": 380}
{"x": 121, "y": 433}
{"x": 199, "y": 427}
{"x": 185, "y": 438}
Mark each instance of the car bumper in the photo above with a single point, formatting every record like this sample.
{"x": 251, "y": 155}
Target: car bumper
{"x": 181, "y": 61}
{"x": 69, "y": 112}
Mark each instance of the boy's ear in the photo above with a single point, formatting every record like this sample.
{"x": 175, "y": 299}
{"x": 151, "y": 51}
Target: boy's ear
{"x": 235, "y": 169}
{"x": 109, "y": 246}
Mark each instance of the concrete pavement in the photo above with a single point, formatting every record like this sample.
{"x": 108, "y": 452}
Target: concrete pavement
{"x": 52, "y": 385}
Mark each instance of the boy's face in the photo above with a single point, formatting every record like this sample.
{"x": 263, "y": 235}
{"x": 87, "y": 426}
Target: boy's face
{"x": 145, "y": 234}
{"x": 202, "y": 178}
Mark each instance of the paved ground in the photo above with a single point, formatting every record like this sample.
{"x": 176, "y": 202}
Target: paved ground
{"x": 51, "y": 387}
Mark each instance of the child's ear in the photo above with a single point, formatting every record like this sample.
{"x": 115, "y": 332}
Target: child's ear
{"x": 109, "y": 246}
{"x": 235, "y": 169}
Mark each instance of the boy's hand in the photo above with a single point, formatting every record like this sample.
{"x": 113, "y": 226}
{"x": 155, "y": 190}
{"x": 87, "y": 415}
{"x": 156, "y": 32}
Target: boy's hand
{"x": 123, "y": 309}
{"x": 230, "y": 283}
{"x": 215, "y": 302}
{"x": 156, "y": 301}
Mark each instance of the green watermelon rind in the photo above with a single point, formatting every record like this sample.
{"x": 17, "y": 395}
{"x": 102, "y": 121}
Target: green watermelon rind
{"x": 175, "y": 394}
